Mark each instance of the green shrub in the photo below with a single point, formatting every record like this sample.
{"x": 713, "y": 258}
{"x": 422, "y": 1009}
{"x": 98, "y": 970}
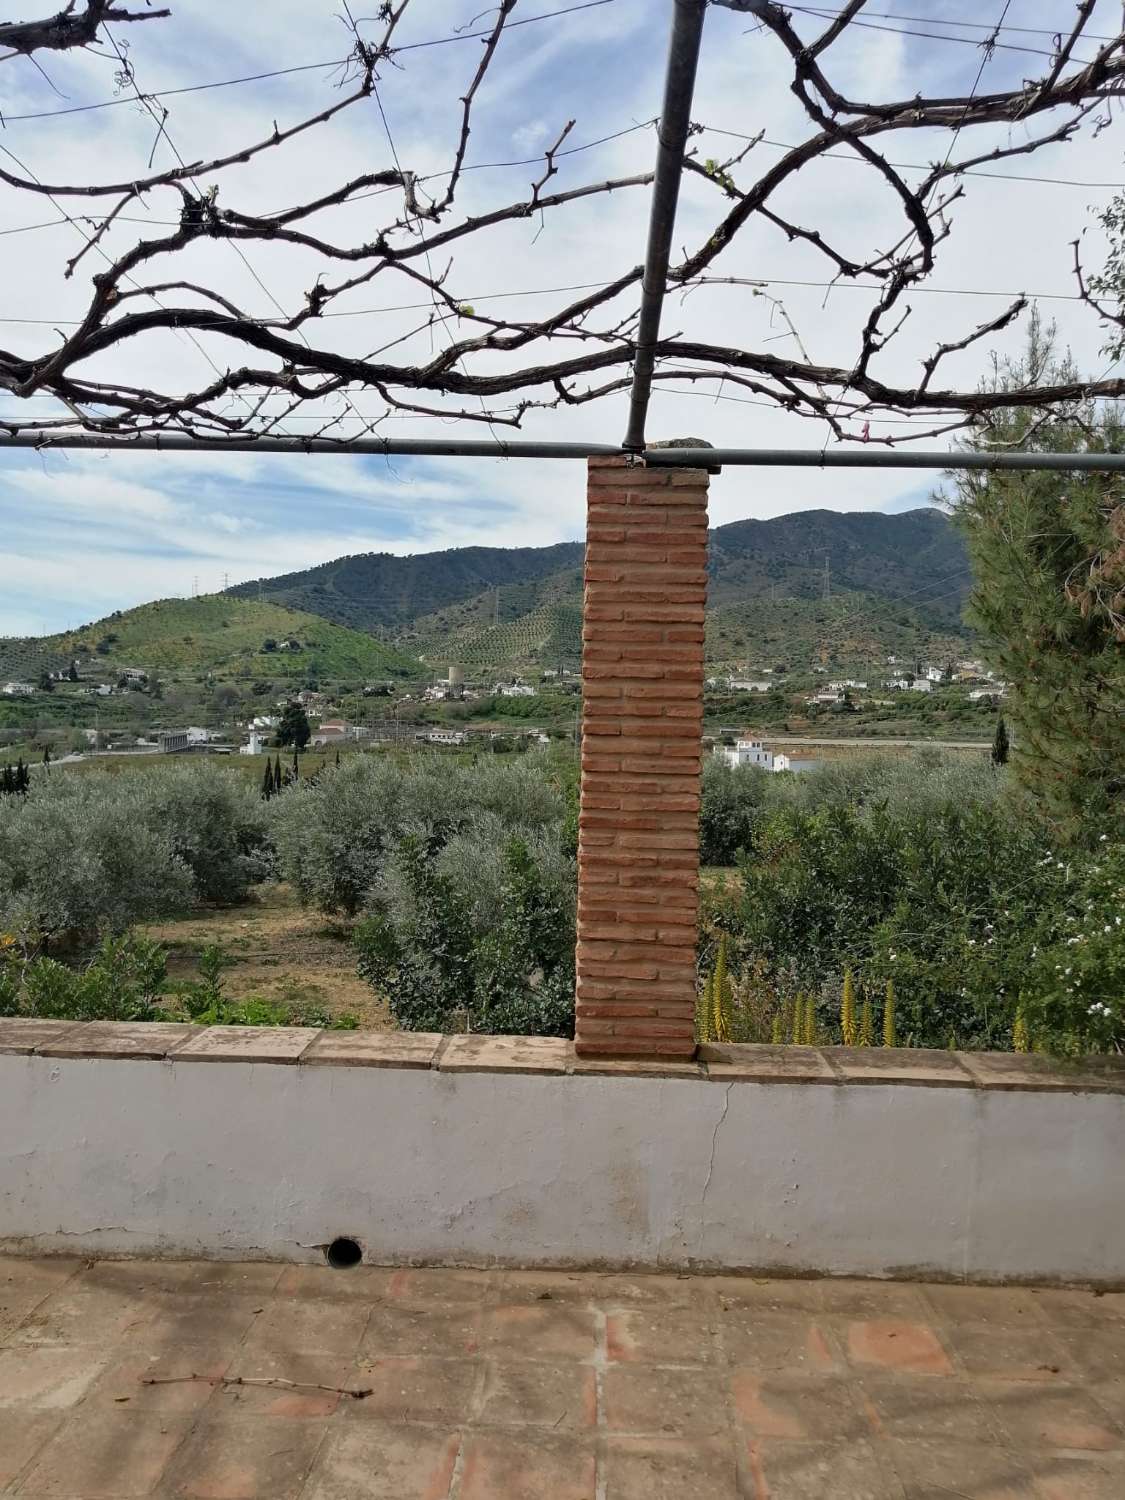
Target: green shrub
{"x": 483, "y": 928}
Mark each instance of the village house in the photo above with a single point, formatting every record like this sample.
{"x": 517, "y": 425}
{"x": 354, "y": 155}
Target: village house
{"x": 17, "y": 690}
{"x": 745, "y": 752}
{"x": 446, "y": 737}
{"x": 513, "y": 690}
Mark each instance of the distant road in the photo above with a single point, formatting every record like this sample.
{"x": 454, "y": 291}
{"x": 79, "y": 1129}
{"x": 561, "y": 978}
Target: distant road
{"x": 875, "y": 744}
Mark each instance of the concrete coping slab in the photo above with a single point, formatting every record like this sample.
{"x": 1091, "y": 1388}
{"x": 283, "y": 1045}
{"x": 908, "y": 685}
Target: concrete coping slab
{"x": 266, "y": 1044}
{"x": 176, "y": 1042}
{"x": 1030, "y": 1071}
{"x": 750, "y": 1063}
{"x": 374, "y": 1049}
{"x": 151, "y": 1039}
{"x": 910, "y": 1065}
{"x": 506, "y": 1054}
{"x": 24, "y": 1036}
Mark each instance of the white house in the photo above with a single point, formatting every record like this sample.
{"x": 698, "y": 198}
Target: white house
{"x": 748, "y": 685}
{"x": 446, "y": 737}
{"x": 18, "y": 690}
{"x": 134, "y": 674}
{"x": 745, "y": 752}
{"x": 923, "y": 684}
{"x": 253, "y": 746}
{"x": 513, "y": 690}
{"x": 934, "y": 674}
{"x": 989, "y": 692}
{"x": 796, "y": 763}
{"x": 832, "y": 695}
{"x": 847, "y": 682}
{"x": 199, "y": 736}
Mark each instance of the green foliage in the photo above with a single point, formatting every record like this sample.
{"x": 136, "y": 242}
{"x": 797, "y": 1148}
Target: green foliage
{"x": 293, "y": 727}
{"x": 1048, "y": 551}
{"x": 1001, "y": 745}
{"x": 451, "y": 930}
{"x": 848, "y": 1029}
{"x": 890, "y": 1023}
{"x": 334, "y": 835}
{"x": 121, "y": 982}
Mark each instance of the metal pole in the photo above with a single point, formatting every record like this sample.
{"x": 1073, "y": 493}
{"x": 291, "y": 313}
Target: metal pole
{"x": 680, "y": 458}
{"x": 675, "y": 117}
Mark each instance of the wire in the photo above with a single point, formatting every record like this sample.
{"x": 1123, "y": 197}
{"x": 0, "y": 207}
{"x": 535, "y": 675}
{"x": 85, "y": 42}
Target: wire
{"x": 914, "y": 166}
{"x": 587, "y": 286}
{"x": 336, "y": 62}
{"x": 827, "y": 10}
{"x": 938, "y": 36}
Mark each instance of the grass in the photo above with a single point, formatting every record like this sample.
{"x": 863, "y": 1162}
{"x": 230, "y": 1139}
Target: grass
{"x": 213, "y": 634}
{"x": 278, "y": 952}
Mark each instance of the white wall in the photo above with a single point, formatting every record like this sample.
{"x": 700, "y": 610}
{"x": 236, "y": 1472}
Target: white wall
{"x": 259, "y": 1160}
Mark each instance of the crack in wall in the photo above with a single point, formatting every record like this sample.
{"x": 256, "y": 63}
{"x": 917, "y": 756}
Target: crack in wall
{"x": 711, "y": 1162}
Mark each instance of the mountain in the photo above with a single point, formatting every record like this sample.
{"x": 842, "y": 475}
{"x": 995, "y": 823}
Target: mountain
{"x": 213, "y": 634}
{"x": 894, "y": 583}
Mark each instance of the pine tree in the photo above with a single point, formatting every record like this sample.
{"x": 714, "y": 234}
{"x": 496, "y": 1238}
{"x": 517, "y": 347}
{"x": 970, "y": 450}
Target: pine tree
{"x": 1000, "y": 743}
{"x": 293, "y": 727}
{"x": 867, "y": 1021}
{"x": 890, "y": 1033}
{"x": 1048, "y": 565}
{"x": 847, "y": 1011}
{"x": 72, "y": 672}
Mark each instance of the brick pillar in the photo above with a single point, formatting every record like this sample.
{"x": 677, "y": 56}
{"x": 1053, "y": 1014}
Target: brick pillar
{"x": 642, "y": 723}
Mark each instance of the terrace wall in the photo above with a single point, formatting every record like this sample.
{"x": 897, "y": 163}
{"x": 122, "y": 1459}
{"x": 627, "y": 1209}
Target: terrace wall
{"x": 269, "y": 1143}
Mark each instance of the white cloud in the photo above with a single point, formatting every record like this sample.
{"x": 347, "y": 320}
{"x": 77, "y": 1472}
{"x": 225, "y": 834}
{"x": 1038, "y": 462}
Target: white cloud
{"x": 114, "y": 529}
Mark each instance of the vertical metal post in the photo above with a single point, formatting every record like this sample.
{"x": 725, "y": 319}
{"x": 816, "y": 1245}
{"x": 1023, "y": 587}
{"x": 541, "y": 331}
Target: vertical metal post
{"x": 675, "y": 117}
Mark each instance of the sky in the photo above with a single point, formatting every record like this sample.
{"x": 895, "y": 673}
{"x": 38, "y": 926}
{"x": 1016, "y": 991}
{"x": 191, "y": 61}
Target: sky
{"x": 86, "y": 533}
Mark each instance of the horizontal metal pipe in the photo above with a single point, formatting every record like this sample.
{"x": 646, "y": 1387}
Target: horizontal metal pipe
{"x": 679, "y": 458}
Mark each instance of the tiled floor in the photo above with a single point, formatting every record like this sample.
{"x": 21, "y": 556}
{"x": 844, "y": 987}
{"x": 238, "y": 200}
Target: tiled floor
{"x": 254, "y": 1382}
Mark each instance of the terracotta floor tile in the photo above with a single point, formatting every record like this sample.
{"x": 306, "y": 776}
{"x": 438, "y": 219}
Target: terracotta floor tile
{"x": 1027, "y": 1353}
{"x": 541, "y": 1330}
{"x": 442, "y": 1329}
{"x": 1056, "y": 1477}
{"x": 664, "y": 1468}
{"x": 1081, "y": 1309}
{"x": 887, "y": 1300}
{"x": 918, "y": 1406}
{"x": 1055, "y": 1416}
{"x": 263, "y": 1458}
{"x": 424, "y": 1286}
{"x": 370, "y": 1461}
{"x": 678, "y": 1402}
{"x": 80, "y": 1315}
{"x": 769, "y": 1341}
{"x": 1098, "y": 1353}
{"x": 48, "y": 1379}
{"x": 913, "y": 1348}
{"x": 795, "y": 1295}
{"x": 185, "y": 1277}
{"x": 221, "y": 1319}
{"x": 363, "y": 1283}
{"x": 560, "y": 1397}
{"x": 946, "y": 1470}
{"x": 819, "y": 1471}
{"x": 1015, "y": 1307}
{"x": 22, "y": 1435}
{"x": 663, "y": 1335}
{"x": 435, "y": 1392}
{"x": 185, "y": 1379}
{"x": 526, "y": 1467}
{"x": 293, "y": 1325}
{"x": 298, "y": 1386}
{"x": 797, "y": 1408}
{"x": 99, "y": 1453}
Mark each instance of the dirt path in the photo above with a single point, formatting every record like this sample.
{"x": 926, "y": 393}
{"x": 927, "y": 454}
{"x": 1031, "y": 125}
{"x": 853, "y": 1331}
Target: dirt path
{"x": 279, "y": 951}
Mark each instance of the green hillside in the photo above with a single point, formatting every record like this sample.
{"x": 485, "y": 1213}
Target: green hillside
{"x": 905, "y": 579}
{"x": 854, "y": 630}
{"x": 215, "y": 634}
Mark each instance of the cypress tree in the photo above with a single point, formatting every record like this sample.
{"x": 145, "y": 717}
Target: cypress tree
{"x": 7, "y": 782}
{"x": 267, "y": 782}
{"x": 47, "y": 757}
{"x": 23, "y": 775}
{"x": 1000, "y": 743}
{"x": 277, "y": 781}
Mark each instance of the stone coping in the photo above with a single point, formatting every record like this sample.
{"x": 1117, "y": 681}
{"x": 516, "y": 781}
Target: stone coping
{"x": 741, "y": 1063}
